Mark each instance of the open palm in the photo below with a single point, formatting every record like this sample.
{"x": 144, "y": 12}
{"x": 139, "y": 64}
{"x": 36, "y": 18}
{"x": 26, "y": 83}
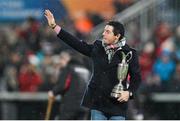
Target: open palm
{"x": 50, "y": 18}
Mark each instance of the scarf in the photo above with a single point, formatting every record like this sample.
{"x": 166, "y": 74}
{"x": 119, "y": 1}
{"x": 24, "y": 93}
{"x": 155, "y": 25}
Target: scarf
{"x": 112, "y": 48}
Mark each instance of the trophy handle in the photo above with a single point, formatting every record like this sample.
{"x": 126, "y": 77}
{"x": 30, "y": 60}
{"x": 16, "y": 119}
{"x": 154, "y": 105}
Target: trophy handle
{"x": 125, "y": 56}
{"x": 129, "y": 53}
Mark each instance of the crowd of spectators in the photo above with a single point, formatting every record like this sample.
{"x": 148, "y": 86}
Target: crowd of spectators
{"x": 30, "y": 61}
{"x": 159, "y": 60}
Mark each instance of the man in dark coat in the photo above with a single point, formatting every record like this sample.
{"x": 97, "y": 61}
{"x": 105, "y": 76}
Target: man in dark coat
{"x": 106, "y": 55}
{"x": 70, "y": 85}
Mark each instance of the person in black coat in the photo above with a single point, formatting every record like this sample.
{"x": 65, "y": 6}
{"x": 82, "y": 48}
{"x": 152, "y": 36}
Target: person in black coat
{"x": 106, "y": 55}
{"x": 70, "y": 85}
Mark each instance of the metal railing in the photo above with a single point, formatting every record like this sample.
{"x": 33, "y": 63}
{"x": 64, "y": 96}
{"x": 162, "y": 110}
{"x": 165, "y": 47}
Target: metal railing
{"x": 25, "y": 96}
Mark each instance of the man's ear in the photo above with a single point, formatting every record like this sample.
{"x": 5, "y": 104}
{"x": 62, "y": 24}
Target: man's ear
{"x": 118, "y": 36}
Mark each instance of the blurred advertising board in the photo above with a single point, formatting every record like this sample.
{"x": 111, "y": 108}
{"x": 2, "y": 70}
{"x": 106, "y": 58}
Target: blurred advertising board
{"x": 19, "y": 10}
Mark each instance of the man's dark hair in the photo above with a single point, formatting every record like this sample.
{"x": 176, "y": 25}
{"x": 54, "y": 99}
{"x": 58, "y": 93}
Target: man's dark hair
{"x": 118, "y": 28}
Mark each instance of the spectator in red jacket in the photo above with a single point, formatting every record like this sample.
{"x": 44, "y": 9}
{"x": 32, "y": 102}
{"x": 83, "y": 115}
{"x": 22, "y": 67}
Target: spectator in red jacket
{"x": 29, "y": 78}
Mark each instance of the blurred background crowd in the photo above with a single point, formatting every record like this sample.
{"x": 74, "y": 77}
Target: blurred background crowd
{"x": 33, "y": 60}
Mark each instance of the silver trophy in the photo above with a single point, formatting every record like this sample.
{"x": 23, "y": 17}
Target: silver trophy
{"x": 122, "y": 71}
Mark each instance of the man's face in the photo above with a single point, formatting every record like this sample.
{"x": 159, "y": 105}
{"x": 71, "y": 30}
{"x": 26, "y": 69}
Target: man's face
{"x": 64, "y": 59}
{"x": 108, "y": 35}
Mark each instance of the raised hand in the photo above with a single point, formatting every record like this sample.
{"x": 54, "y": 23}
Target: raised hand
{"x": 50, "y": 18}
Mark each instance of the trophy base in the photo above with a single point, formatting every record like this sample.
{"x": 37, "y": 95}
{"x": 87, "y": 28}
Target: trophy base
{"x": 115, "y": 95}
{"x": 116, "y": 91}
